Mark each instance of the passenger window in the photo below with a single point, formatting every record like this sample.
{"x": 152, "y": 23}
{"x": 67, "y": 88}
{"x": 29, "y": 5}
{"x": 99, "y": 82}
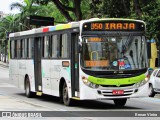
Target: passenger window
{"x": 55, "y": 47}
{"x": 30, "y": 47}
{"x": 15, "y": 49}
{"x": 12, "y": 49}
{"x": 23, "y": 48}
{"x": 18, "y": 49}
{"x": 64, "y": 46}
{"x": 27, "y": 48}
{"x": 46, "y": 46}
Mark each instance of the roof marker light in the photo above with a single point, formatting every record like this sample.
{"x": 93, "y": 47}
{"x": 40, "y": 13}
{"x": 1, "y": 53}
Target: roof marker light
{"x": 52, "y": 28}
{"x": 45, "y": 29}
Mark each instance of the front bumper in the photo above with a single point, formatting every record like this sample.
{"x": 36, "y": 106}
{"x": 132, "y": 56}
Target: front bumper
{"x": 106, "y": 92}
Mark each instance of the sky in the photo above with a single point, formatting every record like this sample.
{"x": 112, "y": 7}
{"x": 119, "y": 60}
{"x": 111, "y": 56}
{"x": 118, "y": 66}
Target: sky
{"x": 5, "y": 6}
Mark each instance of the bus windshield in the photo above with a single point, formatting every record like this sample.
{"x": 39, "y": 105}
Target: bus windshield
{"x": 114, "y": 52}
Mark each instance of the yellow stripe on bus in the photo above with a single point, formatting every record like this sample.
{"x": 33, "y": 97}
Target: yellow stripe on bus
{"x": 39, "y": 93}
{"x": 76, "y": 98}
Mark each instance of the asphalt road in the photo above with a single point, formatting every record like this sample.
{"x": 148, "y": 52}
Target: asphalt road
{"x": 12, "y": 98}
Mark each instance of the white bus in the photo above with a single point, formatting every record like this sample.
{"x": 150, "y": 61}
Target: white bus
{"x": 90, "y": 59}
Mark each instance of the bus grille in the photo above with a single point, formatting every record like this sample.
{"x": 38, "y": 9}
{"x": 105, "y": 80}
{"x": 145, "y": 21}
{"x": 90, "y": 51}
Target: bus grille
{"x": 118, "y": 86}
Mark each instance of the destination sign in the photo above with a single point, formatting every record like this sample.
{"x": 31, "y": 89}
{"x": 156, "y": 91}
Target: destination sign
{"x": 114, "y": 26}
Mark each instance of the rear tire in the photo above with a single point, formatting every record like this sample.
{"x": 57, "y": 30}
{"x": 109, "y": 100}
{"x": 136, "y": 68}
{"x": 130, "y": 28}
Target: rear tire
{"x": 151, "y": 91}
{"x": 28, "y": 92}
{"x": 120, "y": 102}
{"x": 66, "y": 100}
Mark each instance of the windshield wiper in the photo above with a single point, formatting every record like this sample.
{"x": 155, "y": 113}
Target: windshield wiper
{"x": 128, "y": 42}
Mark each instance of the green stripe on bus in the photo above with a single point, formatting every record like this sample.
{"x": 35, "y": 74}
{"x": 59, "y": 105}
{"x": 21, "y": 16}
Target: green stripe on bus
{"x": 117, "y": 82}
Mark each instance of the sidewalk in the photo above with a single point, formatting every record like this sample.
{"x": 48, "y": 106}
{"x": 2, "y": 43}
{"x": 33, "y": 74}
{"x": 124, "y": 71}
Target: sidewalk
{"x": 4, "y": 64}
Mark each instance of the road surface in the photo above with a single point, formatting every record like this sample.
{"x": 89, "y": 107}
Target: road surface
{"x": 13, "y": 99}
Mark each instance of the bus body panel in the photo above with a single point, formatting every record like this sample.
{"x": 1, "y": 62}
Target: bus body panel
{"x": 30, "y": 73}
{"x": 58, "y": 72}
{"x": 46, "y": 81}
{"x": 21, "y": 72}
{"x": 13, "y": 72}
{"x": 55, "y": 76}
{"x": 52, "y": 73}
{"x": 65, "y": 72}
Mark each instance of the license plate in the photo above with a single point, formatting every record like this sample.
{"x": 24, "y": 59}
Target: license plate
{"x": 117, "y": 92}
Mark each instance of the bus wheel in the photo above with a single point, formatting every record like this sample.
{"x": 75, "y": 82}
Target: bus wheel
{"x": 120, "y": 102}
{"x": 151, "y": 91}
{"x": 28, "y": 92}
{"x": 66, "y": 100}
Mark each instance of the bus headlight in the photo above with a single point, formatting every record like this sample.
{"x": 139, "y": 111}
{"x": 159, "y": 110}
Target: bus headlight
{"x": 88, "y": 83}
{"x": 141, "y": 83}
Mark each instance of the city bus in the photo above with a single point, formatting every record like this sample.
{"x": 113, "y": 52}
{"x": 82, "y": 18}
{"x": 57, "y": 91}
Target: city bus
{"x": 92, "y": 59}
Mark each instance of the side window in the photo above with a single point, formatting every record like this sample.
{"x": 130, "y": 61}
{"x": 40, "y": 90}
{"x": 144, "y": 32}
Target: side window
{"x": 46, "y": 46}
{"x": 18, "y": 49}
{"x": 30, "y": 47}
{"x": 64, "y": 46}
{"x": 12, "y": 49}
{"x": 42, "y": 41}
{"x": 23, "y": 48}
{"x": 55, "y": 47}
{"x": 15, "y": 49}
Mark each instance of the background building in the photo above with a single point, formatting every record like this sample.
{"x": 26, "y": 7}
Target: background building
{"x": 2, "y": 14}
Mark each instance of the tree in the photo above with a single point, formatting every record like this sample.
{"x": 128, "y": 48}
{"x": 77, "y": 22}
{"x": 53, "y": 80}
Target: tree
{"x": 26, "y": 9}
{"x": 137, "y": 7}
{"x": 67, "y": 8}
{"x": 75, "y": 10}
{"x": 7, "y": 24}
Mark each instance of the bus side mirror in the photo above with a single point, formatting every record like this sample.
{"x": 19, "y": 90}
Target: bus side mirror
{"x": 79, "y": 48}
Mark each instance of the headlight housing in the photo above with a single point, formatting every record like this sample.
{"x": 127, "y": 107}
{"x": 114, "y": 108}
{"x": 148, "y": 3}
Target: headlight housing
{"x": 88, "y": 83}
{"x": 143, "y": 82}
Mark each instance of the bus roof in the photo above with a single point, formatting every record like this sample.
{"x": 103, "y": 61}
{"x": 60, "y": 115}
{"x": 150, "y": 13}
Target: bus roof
{"x": 45, "y": 29}
{"x": 65, "y": 26}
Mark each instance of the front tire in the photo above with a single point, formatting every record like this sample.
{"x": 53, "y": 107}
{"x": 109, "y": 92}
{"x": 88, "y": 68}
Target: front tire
{"x": 151, "y": 91}
{"x": 66, "y": 100}
{"x": 120, "y": 102}
{"x": 28, "y": 92}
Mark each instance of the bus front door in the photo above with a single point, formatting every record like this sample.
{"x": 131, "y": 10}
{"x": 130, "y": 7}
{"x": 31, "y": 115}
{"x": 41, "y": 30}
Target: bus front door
{"x": 74, "y": 65}
{"x": 37, "y": 64}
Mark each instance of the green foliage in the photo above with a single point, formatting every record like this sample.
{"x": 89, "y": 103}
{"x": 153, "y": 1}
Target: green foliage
{"x": 53, "y": 12}
{"x": 149, "y": 12}
{"x": 151, "y": 15}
